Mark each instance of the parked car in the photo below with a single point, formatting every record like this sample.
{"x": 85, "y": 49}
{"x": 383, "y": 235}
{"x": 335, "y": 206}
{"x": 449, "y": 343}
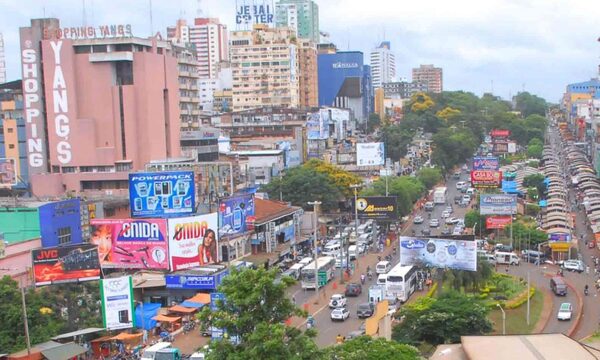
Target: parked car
{"x": 418, "y": 220}
{"x": 445, "y": 214}
{"x": 353, "y": 289}
{"x": 574, "y": 265}
{"x": 446, "y": 231}
{"x": 337, "y": 301}
{"x": 466, "y": 198}
{"x": 429, "y": 206}
{"x": 452, "y": 221}
{"x": 340, "y": 314}
{"x": 457, "y": 199}
{"x": 449, "y": 209}
{"x": 425, "y": 232}
{"x": 565, "y": 311}
{"x": 434, "y": 223}
{"x": 365, "y": 310}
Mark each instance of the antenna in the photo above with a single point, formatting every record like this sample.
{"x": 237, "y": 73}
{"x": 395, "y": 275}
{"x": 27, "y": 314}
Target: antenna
{"x": 84, "y": 23}
{"x": 199, "y": 11}
{"x": 151, "y": 24}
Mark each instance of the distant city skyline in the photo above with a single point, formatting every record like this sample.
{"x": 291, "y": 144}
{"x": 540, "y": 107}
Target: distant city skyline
{"x": 536, "y": 45}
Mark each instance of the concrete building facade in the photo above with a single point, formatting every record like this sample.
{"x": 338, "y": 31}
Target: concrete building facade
{"x": 189, "y": 99}
{"x": 12, "y": 132}
{"x": 432, "y": 76}
{"x": 404, "y": 89}
{"x": 300, "y": 15}
{"x": 383, "y": 65}
{"x": 309, "y": 81}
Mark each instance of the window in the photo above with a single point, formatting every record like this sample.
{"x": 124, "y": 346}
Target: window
{"x": 10, "y": 130}
{"x": 64, "y": 235}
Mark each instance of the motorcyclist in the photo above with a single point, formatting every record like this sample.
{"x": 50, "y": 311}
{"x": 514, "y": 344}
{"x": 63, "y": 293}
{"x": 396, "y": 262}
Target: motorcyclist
{"x": 362, "y": 278}
{"x": 586, "y": 289}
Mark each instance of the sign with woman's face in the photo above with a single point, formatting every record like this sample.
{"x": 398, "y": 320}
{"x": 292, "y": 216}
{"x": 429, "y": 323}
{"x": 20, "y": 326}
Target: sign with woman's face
{"x": 193, "y": 241}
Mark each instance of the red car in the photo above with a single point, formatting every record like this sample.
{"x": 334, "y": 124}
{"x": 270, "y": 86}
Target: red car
{"x": 353, "y": 289}
{"x": 591, "y": 244}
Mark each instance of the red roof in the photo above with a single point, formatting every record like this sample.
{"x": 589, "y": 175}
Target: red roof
{"x": 267, "y": 210}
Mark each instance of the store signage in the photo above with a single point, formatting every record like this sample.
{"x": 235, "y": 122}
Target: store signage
{"x": 559, "y": 237}
{"x": 60, "y": 106}
{"x": 344, "y": 65}
{"x": 500, "y": 133}
{"x": 88, "y": 32}
{"x": 486, "y": 178}
{"x": 65, "y": 264}
{"x": 196, "y": 282}
{"x": 377, "y": 207}
{"x": 497, "y": 222}
{"x": 486, "y": 163}
{"x": 258, "y": 14}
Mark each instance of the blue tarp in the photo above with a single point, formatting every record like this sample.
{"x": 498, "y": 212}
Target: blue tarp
{"x": 191, "y": 304}
{"x": 150, "y": 311}
{"x": 510, "y": 187}
{"x": 543, "y": 203}
{"x": 546, "y": 181}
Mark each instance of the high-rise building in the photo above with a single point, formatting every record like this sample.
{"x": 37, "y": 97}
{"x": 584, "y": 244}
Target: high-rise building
{"x": 265, "y": 68}
{"x": 430, "y": 75}
{"x": 300, "y": 15}
{"x": 12, "y": 133}
{"x": 189, "y": 99}
{"x": 383, "y": 65}
{"x": 309, "y": 82}
{"x": 96, "y": 107}
{"x": 2, "y": 61}
{"x": 403, "y": 89}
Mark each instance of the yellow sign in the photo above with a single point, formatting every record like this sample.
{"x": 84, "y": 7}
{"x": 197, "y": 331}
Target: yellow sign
{"x": 560, "y": 246}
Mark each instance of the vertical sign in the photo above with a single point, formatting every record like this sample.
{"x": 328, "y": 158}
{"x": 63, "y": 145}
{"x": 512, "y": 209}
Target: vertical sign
{"x": 117, "y": 303}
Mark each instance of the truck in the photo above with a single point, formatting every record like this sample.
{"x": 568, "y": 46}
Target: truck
{"x": 439, "y": 195}
{"x": 506, "y": 258}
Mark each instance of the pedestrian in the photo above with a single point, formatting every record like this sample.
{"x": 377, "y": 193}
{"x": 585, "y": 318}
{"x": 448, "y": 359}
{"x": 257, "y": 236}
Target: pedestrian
{"x": 587, "y": 270}
{"x": 507, "y": 269}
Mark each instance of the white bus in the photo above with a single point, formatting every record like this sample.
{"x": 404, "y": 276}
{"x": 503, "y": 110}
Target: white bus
{"x": 324, "y": 264}
{"x": 401, "y": 282}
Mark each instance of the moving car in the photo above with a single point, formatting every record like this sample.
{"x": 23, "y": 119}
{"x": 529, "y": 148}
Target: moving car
{"x": 449, "y": 209}
{"x": 574, "y": 265}
{"x": 425, "y": 232}
{"x": 337, "y": 301}
{"x": 565, "y": 311}
{"x": 365, "y": 310}
{"x": 353, "y": 289}
{"x": 466, "y": 198}
{"x": 434, "y": 223}
{"x": 446, "y": 231}
{"x": 452, "y": 221}
{"x": 445, "y": 214}
{"x": 429, "y": 206}
{"x": 418, "y": 219}
{"x": 460, "y": 185}
{"x": 340, "y": 314}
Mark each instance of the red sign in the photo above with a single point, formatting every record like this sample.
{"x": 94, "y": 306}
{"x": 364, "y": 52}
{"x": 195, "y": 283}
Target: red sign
{"x": 65, "y": 264}
{"x": 497, "y": 222}
{"x": 486, "y": 178}
{"x": 499, "y": 133}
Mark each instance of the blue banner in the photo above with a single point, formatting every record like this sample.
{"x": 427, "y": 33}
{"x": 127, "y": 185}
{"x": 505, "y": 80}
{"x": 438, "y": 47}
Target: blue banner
{"x": 196, "y": 282}
{"x": 236, "y": 215}
{"x": 486, "y": 163}
{"x": 559, "y": 237}
{"x": 162, "y": 194}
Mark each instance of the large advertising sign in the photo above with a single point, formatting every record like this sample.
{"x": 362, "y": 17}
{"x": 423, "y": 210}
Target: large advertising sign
{"x": 193, "y": 241}
{"x": 8, "y": 172}
{"x": 131, "y": 243}
{"x": 317, "y": 126}
{"x": 64, "y": 264}
{"x": 486, "y": 163}
{"x": 440, "y": 253}
{"x": 196, "y": 282}
{"x": 497, "y": 204}
{"x": 257, "y": 13}
{"x": 116, "y": 295}
{"x": 486, "y": 178}
{"x": 499, "y": 133}
{"x": 370, "y": 154}
{"x": 236, "y": 215}
{"x": 169, "y": 193}
{"x": 559, "y": 237}
{"x": 497, "y": 222}
{"x": 377, "y": 207}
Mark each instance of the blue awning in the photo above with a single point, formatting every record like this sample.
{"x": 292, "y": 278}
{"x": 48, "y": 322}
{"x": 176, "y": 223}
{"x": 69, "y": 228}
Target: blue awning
{"x": 150, "y": 310}
{"x": 543, "y": 203}
{"x": 192, "y": 304}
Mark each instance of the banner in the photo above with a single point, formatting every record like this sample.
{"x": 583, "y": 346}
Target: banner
{"x": 497, "y": 222}
{"x": 161, "y": 194}
{"x": 64, "y": 264}
{"x": 486, "y": 178}
{"x": 370, "y": 154}
{"x": 497, "y": 204}
{"x": 377, "y": 207}
{"x": 440, "y": 253}
{"x": 236, "y": 215}
{"x": 499, "y": 133}
{"x": 559, "y": 237}
{"x": 317, "y": 126}
{"x": 117, "y": 303}
{"x": 486, "y": 163}
{"x": 131, "y": 243}
{"x": 8, "y": 172}
{"x": 196, "y": 282}
{"x": 193, "y": 241}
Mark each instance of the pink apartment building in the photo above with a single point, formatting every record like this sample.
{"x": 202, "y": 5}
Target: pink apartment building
{"x": 98, "y": 104}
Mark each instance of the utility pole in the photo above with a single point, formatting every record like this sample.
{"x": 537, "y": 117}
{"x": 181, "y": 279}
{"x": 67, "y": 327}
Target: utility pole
{"x": 315, "y": 205}
{"x": 355, "y": 187}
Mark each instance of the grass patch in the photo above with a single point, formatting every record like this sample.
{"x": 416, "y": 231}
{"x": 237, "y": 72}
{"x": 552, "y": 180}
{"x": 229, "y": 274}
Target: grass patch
{"x": 595, "y": 338}
{"x": 516, "y": 319}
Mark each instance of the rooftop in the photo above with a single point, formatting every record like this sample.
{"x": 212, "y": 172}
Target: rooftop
{"x": 268, "y": 210}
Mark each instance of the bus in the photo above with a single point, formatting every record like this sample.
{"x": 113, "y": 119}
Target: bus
{"x": 323, "y": 264}
{"x": 401, "y": 282}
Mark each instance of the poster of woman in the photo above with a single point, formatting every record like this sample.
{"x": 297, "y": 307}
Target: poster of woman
{"x": 193, "y": 241}
{"x": 207, "y": 251}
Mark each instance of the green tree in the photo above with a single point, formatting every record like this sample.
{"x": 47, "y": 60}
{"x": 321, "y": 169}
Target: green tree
{"x": 535, "y": 181}
{"x": 469, "y": 280}
{"x": 429, "y": 177}
{"x": 442, "y": 320}
{"x": 396, "y": 138}
{"x": 373, "y": 123}
{"x": 339, "y": 177}
{"x": 529, "y": 104}
{"x": 474, "y": 219}
{"x": 365, "y": 347}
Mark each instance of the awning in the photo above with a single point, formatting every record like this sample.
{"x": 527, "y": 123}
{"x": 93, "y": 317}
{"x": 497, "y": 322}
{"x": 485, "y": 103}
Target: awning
{"x": 126, "y": 336}
{"x": 200, "y": 298}
{"x": 78, "y": 333}
{"x": 182, "y": 309}
{"x": 191, "y": 304}
{"x": 163, "y": 318}
{"x": 64, "y": 352}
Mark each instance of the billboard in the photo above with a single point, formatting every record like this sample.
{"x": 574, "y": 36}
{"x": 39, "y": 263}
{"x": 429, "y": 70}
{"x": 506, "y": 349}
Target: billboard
{"x": 377, "y": 207}
{"x": 486, "y": 178}
{"x": 254, "y": 14}
{"x": 440, "y": 253}
{"x": 195, "y": 282}
{"x": 116, "y": 295}
{"x": 499, "y": 133}
{"x": 497, "y": 222}
{"x": 161, "y": 194}
{"x": 317, "y": 126}
{"x": 64, "y": 264}
{"x": 486, "y": 163}
{"x": 559, "y": 237}
{"x": 60, "y": 223}
{"x": 498, "y": 204}
{"x": 131, "y": 243}
{"x": 370, "y": 154}
{"x": 236, "y": 215}
{"x": 8, "y": 172}
{"x": 193, "y": 241}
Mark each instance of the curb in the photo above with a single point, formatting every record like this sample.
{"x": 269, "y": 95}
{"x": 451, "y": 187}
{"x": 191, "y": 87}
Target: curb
{"x": 579, "y": 314}
{"x": 544, "y": 316}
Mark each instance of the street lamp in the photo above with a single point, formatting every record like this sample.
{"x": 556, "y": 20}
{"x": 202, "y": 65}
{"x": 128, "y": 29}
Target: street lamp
{"x": 315, "y": 204}
{"x": 355, "y": 187}
{"x": 503, "y": 319}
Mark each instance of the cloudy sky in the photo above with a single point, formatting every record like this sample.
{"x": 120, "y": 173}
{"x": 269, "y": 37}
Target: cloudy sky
{"x": 536, "y": 45}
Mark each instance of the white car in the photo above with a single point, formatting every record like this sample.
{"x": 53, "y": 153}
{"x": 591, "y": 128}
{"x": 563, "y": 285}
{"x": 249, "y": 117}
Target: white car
{"x": 340, "y": 314}
{"x": 337, "y": 301}
{"x": 418, "y": 220}
{"x": 449, "y": 209}
{"x": 452, "y": 221}
{"x": 574, "y": 265}
{"x": 434, "y": 223}
{"x": 460, "y": 185}
{"x": 565, "y": 311}
{"x": 445, "y": 214}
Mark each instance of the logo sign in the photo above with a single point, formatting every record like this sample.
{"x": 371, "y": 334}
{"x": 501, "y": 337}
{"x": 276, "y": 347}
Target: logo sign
{"x": 370, "y": 154}
{"x": 440, "y": 253}
{"x": 161, "y": 194}
{"x": 486, "y": 163}
{"x": 214, "y": 297}
{"x": 65, "y": 264}
{"x": 196, "y": 282}
{"x": 498, "y": 204}
{"x": 486, "y": 178}
{"x": 236, "y": 215}
{"x": 88, "y": 32}
{"x": 117, "y": 303}
{"x": 254, "y": 14}
{"x": 377, "y": 207}
{"x": 344, "y": 65}
{"x": 193, "y": 241}
{"x": 559, "y": 237}
{"x": 131, "y": 243}
{"x": 497, "y": 222}
{"x": 8, "y": 172}
{"x": 496, "y": 133}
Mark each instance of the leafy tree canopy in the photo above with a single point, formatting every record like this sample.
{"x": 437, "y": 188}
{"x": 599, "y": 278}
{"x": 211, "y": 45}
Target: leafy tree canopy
{"x": 529, "y": 104}
{"x": 420, "y": 102}
{"x": 342, "y": 179}
{"x": 429, "y": 176}
{"x": 365, "y": 347}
